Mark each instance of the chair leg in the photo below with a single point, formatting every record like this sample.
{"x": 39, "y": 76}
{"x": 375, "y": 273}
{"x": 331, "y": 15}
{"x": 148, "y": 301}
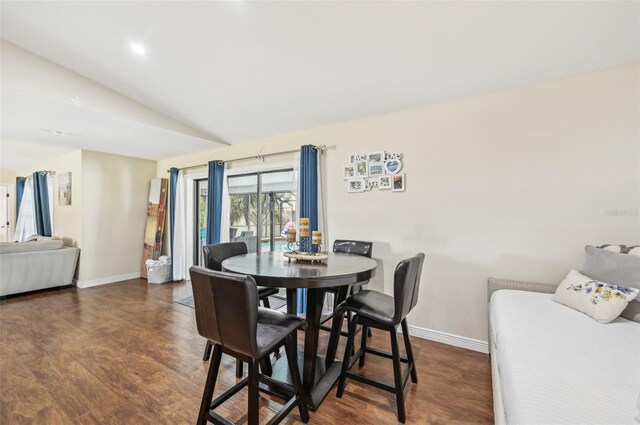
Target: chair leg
{"x": 265, "y": 302}
{"x": 253, "y": 398}
{"x": 397, "y": 374}
{"x": 214, "y": 366}
{"x": 347, "y": 356}
{"x": 207, "y": 351}
{"x": 265, "y": 366}
{"x": 239, "y": 368}
{"x": 353, "y": 347}
{"x": 363, "y": 345}
{"x": 369, "y": 333}
{"x": 292, "y": 354}
{"x": 407, "y": 346}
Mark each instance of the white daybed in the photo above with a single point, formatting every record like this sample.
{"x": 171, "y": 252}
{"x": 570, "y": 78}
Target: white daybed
{"x": 554, "y": 365}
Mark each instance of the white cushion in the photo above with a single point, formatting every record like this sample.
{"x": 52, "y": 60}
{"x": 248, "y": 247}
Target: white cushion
{"x": 599, "y": 300}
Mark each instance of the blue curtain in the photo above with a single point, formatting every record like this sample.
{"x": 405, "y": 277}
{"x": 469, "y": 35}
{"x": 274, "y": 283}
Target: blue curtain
{"x": 214, "y": 201}
{"x": 173, "y": 182}
{"x": 19, "y": 192}
{"x": 308, "y": 201}
{"x": 41, "y": 201}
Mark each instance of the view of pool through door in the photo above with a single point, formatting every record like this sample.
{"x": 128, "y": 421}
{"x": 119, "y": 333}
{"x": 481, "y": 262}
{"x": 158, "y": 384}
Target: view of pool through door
{"x": 262, "y": 208}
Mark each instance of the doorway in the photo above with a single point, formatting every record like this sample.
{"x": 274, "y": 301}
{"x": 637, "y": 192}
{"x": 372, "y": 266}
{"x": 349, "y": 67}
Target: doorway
{"x": 6, "y": 212}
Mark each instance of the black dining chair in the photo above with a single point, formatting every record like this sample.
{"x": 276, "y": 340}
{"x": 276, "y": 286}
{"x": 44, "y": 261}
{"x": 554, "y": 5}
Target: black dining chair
{"x": 228, "y": 315}
{"x": 352, "y": 247}
{"x": 214, "y": 255}
{"x": 373, "y": 309}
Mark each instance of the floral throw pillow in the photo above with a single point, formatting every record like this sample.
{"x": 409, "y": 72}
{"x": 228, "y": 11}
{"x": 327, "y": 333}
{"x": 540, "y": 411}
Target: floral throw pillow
{"x": 599, "y": 300}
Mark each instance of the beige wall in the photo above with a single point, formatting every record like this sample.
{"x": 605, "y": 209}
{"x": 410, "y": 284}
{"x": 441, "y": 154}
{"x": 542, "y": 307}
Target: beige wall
{"x": 114, "y": 212}
{"x": 508, "y": 184}
{"x": 107, "y": 214}
{"x": 8, "y": 176}
{"x": 67, "y": 219}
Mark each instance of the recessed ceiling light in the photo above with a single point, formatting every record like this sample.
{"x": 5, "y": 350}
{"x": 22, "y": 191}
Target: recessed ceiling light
{"x": 138, "y": 48}
{"x": 56, "y": 132}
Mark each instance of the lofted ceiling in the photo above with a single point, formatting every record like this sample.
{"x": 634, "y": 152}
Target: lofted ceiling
{"x": 242, "y": 70}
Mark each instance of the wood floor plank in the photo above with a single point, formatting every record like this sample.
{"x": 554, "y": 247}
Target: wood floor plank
{"x": 126, "y": 353}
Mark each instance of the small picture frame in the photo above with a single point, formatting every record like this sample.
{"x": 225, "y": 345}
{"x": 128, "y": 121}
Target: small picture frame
{"x": 351, "y": 159}
{"x": 384, "y": 182}
{"x": 376, "y": 169}
{"x": 356, "y": 185}
{"x": 376, "y": 157}
{"x": 393, "y": 166}
{"x": 362, "y": 170}
{"x": 349, "y": 171}
{"x": 397, "y": 183}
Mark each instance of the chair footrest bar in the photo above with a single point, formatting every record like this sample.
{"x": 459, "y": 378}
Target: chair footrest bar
{"x": 284, "y": 411}
{"x": 376, "y": 384}
{"x": 216, "y": 419}
{"x": 384, "y": 354}
{"x": 229, "y": 393}
{"x": 278, "y": 385}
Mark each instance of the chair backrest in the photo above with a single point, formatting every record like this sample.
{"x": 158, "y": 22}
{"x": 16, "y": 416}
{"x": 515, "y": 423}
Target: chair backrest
{"x": 215, "y": 254}
{"x": 406, "y": 285}
{"x": 353, "y": 247}
{"x": 226, "y": 308}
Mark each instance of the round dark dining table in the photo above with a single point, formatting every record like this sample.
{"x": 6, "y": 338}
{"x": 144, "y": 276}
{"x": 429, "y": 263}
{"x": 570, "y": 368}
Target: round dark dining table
{"x": 273, "y": 269}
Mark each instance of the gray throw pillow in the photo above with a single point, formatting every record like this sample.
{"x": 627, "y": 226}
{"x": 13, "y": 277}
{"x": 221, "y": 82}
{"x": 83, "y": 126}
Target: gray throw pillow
{"x": 615, "y": 268}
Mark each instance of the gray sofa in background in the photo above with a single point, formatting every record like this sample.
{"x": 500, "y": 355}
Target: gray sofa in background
{"x": 34, "y": 265}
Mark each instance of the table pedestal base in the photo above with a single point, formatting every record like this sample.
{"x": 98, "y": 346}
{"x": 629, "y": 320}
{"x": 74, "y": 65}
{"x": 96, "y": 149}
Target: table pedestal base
{"x": 324, "y": 379}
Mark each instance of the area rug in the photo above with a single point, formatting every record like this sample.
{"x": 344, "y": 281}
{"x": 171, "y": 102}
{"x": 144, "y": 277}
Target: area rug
{"x": 276, "y": 303}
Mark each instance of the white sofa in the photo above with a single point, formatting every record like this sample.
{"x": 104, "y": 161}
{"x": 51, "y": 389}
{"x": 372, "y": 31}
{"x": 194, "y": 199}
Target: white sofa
{"x": 34, "y": 265}
{"x": 554, "y": 365}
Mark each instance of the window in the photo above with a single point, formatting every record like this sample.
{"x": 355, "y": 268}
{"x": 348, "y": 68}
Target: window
{"x": 262, "y": 206}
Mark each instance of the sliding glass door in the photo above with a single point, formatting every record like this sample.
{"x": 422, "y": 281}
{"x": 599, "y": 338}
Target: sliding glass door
{"x": 262, "y": 208}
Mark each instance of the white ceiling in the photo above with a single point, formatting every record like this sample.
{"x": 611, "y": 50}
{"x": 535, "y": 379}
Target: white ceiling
{"x": 244, "y": 70}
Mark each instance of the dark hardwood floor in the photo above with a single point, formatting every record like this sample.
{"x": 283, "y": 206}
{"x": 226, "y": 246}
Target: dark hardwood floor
{"x": 125, "y": 353}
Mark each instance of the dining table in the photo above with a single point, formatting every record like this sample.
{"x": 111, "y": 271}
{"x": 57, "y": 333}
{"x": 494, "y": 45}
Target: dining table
{"x": 273, "y": 269}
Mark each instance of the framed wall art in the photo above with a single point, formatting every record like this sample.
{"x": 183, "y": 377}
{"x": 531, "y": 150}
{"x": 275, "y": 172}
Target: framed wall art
{"x": 356, "y": 185}
{"x": 397, "y": 183}
{"x": 349, "y": 171}
{"x": 374, "y": 170}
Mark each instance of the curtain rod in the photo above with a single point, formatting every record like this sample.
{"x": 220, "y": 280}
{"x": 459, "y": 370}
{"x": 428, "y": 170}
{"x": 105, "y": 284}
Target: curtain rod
{"x": 321, "y": 148}
{"x": 44, "y": 172}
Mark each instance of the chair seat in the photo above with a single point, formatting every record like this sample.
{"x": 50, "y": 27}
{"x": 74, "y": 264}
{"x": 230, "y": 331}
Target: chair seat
{"x": 273, "y": 327}
{"x": 373, "y": 305}
{"x": 265, "y": 291}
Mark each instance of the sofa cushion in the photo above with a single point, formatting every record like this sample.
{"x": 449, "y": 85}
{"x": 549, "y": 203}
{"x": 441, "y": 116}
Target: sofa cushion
{"x": 42, "y": 244}
{"x": 615, "y": 268}
{"x": 600, "y": 300}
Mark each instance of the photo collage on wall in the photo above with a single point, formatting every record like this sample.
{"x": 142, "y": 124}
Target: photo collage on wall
{"x": 379, "y": 170}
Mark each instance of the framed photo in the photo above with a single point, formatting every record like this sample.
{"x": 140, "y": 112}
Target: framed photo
{"x": 351, "y": 159}
{"x": 356, "y": 185}
{"x": 384, "y": 182}
{"x": 393, "y": 166}
{"x": 376, "y": 156}
{"x": 349, "y": 171}
{"x": 362, "y": 169}
{"x": 376, "y": 169}
{"x": 64, "y": 189}
{"x": 397, "y": 183}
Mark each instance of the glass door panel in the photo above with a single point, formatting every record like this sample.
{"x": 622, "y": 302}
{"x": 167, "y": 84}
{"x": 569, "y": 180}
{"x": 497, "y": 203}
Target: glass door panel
{"x": 200, "y": 221}
{"x": 243, "y": 217}
{"x": 262, "y": 208}
{"x": 279, "y": 208}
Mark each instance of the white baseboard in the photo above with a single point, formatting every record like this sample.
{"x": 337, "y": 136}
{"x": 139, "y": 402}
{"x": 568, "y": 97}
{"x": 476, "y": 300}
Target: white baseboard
{"x": 104, "y": 280}
{"x": 451, "y": 339}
